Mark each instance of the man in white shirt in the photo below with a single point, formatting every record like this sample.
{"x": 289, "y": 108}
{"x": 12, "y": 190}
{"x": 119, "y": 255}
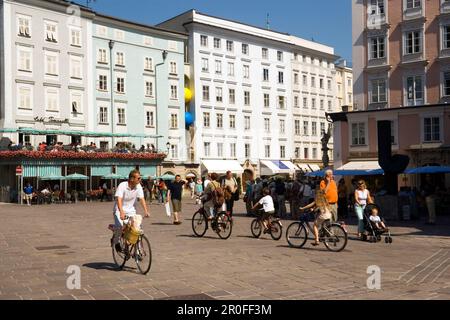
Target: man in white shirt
{"x": 207, "y": 181}
{"x": 127, "y": 194}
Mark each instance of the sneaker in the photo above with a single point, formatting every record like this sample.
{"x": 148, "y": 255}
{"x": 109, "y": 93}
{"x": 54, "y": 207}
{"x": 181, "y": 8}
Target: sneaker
{"x": 118, "y": 248}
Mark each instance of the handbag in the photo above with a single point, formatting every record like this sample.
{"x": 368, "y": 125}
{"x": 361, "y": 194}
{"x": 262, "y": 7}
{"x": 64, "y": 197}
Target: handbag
{"x": 168, "y": 211}
{"x": 237, "y": 193}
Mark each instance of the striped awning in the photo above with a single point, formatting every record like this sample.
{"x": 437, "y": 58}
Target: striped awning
{"x": 41, "y": 171}
{"x": 100, "y": 171}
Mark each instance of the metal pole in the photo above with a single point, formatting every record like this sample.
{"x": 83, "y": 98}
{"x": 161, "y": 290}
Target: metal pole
{"x": 21, "y": 188}
{"x": 164, "y": 56}
{"x": 111, "y": 47}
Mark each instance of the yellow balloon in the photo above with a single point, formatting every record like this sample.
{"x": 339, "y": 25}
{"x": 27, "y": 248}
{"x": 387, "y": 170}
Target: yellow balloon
{"x": 187, "y": 95}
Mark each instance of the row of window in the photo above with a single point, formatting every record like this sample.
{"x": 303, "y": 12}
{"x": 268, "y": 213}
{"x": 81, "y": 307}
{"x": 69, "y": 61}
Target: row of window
{"x": 149, "y": 118}
{"x": 24, "y": 29}
{"x": 414, "y": 88}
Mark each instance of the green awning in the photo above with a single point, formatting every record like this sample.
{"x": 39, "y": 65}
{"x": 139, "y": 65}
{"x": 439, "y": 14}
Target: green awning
{"x": 76, "y": 176}
{"x": 100, "y": 171}
{"x": 114, "y": 176}
{"x": 30, "y": 171}
{"x": 32, "y": 131}
{"x": 52, "y": 178}
{"x": 147, "y": 171}
{"x": 41, "y": 171}
{"x": 124, "y": 171}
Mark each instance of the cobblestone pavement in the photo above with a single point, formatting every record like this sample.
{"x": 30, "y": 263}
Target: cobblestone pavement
{"x": 37, "y": 244}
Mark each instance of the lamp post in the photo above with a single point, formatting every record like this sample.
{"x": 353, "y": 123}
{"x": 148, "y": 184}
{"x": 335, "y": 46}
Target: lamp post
{"x": 111, "y": 47}
{"x": 164, "y": 57}
{"x": 168, "y": 148}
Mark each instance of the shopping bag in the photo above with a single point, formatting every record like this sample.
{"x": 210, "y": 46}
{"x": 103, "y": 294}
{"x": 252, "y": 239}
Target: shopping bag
{"x": 168, "y": 211}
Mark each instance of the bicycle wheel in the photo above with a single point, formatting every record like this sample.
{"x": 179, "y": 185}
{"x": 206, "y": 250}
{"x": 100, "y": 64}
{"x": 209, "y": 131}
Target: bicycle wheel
{"x": 199, "y": 224}
{"x": 296, "y": 235}
{"x": 256, "y": 228}
{"x": 276, "y": 230}
{"x": 335, "y": 237}
{"x": 120, "y": 258}
{"x": 224, "y": 226}
{"x": 143, "y": 255}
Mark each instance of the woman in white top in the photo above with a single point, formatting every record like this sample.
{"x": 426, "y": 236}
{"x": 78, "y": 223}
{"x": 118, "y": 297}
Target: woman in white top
{"x": 362, "y": 199}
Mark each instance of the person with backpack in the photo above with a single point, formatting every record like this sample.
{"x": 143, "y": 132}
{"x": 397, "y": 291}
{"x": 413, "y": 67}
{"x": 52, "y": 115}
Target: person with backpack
{"x": 213, "y": 197}
{"x": 230, "y": 188}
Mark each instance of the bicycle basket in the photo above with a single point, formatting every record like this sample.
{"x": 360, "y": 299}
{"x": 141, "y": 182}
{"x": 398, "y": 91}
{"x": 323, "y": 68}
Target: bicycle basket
{"x": 132, "y": 235}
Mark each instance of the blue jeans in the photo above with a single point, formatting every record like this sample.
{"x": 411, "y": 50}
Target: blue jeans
{"x": 360, "y": 214}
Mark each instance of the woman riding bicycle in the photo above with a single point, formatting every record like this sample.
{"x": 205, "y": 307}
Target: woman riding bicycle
{"x": 323, "y": 209}
{"x": 268, "y": 206}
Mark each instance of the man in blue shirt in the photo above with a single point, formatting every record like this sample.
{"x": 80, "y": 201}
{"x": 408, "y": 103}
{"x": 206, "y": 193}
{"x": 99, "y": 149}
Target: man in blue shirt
{"x": 28, "y": 190}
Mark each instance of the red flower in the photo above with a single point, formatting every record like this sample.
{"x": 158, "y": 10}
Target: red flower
{"x": 80, "y": 155}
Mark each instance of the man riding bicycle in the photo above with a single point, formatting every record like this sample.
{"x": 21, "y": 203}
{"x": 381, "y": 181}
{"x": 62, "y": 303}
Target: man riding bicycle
{"x": 126, "y": 196}
{"x": 268, "y": 207}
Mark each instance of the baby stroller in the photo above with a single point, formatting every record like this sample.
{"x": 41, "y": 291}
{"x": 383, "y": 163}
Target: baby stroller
{"x": 372, "y": 233}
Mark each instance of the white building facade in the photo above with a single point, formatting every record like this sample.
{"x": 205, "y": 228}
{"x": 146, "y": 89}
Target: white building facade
{"x": 45, "y": 82}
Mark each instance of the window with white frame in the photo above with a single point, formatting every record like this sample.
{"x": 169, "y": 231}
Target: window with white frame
{"x": 76, "y": 71}
{"x": 265, "y": 53}
{"x": 75, "y": 37}
{"x": 379, "y": 91}
{"x": 280, "y": 56}
{"x": 413, "y": 42}
{"x": 358, "y": 134}
{"x": 330, "y": 107}
{"x": 102, "y": 82}
{"x": 102, "y": 56}
{"x": 231, "y": 96}
{"x": 282, "y": 152}
{"x": 329, "y": 84}
{"x": 150, "y": 119}
{"x": 297, "y": 152}
{"x": 266, "y": 100}
{"x": 217, "y": 43}
{"x": 148, "y": 64}
{"x": 232, "y": 121}
{"x": 206, "y": 120}
{"x": 282, "y": 126}
{"x": 24, "y": 97}
{"x": 51, "y": 32}
{"x": 219, "y": 121}
{"x": 305, "y": 128}
{"x": 76, "y": 101}
{"x": 313, "y": 82}
{"x": 232, "y": 150}
{"x": 230, "y": 46}
{"x": 295, "y": 78}
{"x": 306, "y": 153}
{"x": 218, "y": 67}
{"x": 247, "y": 98}
{"x": 120, "y": 59}
{"x": 205, "y": 91}
{"x": 267, "y": 125}
{"x": 102, "y": 31}
{"x": 322, "y": 128}
{"x": 265, "y": 74}
{"x": 412, "y": 4}
{"x": 377, "y": 47}
{"x": 247, "y": 150}
{"x": 314, "y": 153}
{"x": 431, "y": 129}
{"x": 204, "y": 41}
{"x": 281, "y": 102}
{"x": 51, "y": 64}
{"x": 231, "y": 69}
{"x": 446, "y": 84}
{"x": 322, "y": 105}
{"x": 280, "y": 77}
{"x": 174, "y": 92}
{"x": 267, "y": 150}
{"x": 245, "y": 49}
{"x": 414, "y": 90}
{"x": 246, "y": 71}
{"x": 24, "y": 26}
{"x": 297, "y": 127}
{"x": 119, "y": 35}
{"x": 207, "y": 148}
{"x": 148, "y": 89}
{"x": 103, "y": 115}
{"x": 305, "y": 80}
{"x": 377, "y": 7}
{"x": 174, "y": 151}
{"x": 173, "y": 67}
{"x": 305, "y": 103}
{"x": 205, "y": 65}
{"x": 296, "y": 102}
{"x": 121, "y": 116}
{"x": 313, "y": 103}
{"x": 247, "y": 123}
{"x": 25, "y": 59}
{"x": 120, "y": 85}
{"x": 314, "y": 128}
{"x": 219, "y": 94}
{"x": 173, "y": 121}
{"x": 220, "y": 150}
{"x": 321, "y": 83}
{"x": 446, "y": 37}
{"x": 51, "y": 99}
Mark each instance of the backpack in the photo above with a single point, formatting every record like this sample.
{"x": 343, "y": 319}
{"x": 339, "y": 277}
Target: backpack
{"x": 217, "y": 196}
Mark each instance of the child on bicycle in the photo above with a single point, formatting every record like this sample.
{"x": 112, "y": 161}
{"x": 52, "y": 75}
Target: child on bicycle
{"x": 268, "y": 206}
{"x": 323, "y": 213}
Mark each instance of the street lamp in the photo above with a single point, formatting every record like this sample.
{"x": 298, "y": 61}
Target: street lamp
{"x": 168, "y": 147}
{"x": 164, "y": 57}
{"x": 111, "y": 47}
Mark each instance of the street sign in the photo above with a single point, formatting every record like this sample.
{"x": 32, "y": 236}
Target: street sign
{"x": 19, "y": 170}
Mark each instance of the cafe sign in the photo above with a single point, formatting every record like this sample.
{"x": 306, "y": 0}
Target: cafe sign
{"x": 51, "y": 120}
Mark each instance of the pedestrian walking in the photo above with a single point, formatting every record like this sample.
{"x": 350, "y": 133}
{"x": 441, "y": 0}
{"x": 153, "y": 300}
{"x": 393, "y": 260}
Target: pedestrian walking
{"x": 280, "y": 191}
{"x": 248, "y": 197}
{"x": 199, "y": 190}
{"x": 28, "y": 191}
{"x": 328, "y": 185}
{"x": 192, "y": 187}
{"x": 230, "y": 187}
{"x": 362, "y": 199}
{"x": 174, "y": 195}
{"x": 151, "y": 188}
{"x": 429, "y": 193}
{"x": 296, "y": 198}
{"x": 342, "y": 200}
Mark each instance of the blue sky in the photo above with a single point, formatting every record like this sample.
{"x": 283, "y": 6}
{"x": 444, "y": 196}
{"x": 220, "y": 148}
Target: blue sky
{"x": 325, "y": 21}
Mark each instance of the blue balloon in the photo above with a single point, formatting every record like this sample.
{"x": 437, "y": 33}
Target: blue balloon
{"x": 189, "y": 118}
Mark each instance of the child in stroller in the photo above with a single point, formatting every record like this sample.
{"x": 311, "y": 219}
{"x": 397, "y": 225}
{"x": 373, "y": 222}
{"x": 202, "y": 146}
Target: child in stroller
{"x": 374, "y": 225}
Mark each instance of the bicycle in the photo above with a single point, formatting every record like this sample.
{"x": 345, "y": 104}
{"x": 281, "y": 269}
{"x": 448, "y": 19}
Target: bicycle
{"x": 134, "y": 245}
{"x": 274, "y": 226}
{"x": 332, "y": 235}
{"x": 222, "y": 224}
